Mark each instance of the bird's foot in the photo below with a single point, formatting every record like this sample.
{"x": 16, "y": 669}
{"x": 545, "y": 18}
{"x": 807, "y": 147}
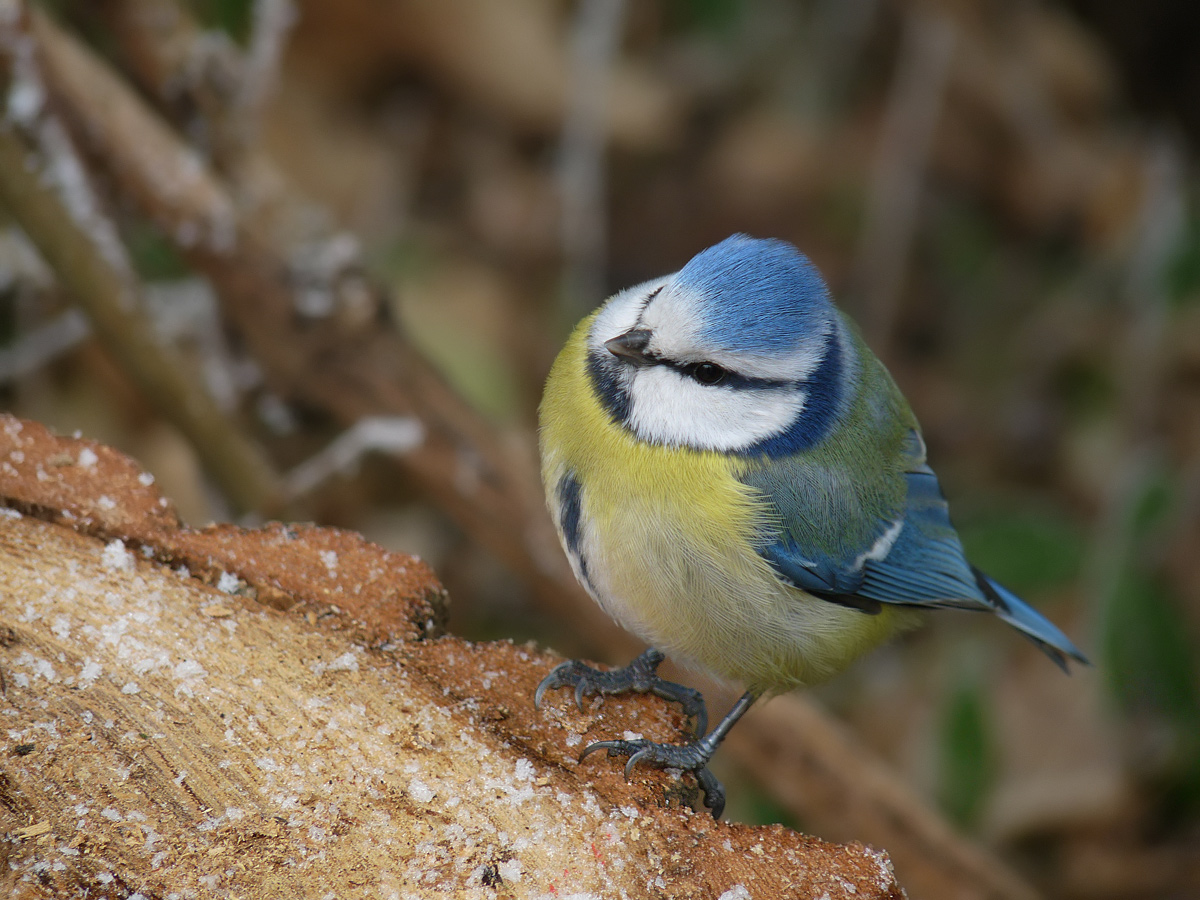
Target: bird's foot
{"x": 640, "y": 677}
{"x": 691, "y": 757}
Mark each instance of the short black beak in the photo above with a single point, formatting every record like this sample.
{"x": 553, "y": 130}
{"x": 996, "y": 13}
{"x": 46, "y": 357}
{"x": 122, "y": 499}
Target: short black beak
{"x": 631, "y": 346}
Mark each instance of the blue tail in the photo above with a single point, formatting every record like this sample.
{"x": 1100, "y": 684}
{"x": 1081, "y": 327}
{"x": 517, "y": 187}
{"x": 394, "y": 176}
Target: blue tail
{"x": 1023, "y": 617}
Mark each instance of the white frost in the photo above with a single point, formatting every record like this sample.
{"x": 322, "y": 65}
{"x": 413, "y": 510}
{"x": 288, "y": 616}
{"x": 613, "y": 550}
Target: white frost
{"x": 347, "y": 662}
{"x": 228, "y": 583}
{"x": 89, "y": 673}
{"x": 420, "y": 791}
{"x": 115, "y": 555}
{"x": 189, "y": 668}
{"x": 88, "y": 457}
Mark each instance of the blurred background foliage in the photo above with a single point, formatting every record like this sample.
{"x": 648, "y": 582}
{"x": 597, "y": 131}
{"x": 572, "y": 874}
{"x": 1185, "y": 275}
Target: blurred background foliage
{"x": 1002, "y": 193}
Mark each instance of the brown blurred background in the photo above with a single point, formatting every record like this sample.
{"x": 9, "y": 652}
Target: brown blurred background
{"x": 1001, "y": 193}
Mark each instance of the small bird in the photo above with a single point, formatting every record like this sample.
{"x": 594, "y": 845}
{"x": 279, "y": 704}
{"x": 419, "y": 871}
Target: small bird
{"x": 737, "y": 480}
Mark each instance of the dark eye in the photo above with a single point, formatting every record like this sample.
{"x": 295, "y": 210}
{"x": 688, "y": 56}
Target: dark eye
{"x": 707, "y": 373}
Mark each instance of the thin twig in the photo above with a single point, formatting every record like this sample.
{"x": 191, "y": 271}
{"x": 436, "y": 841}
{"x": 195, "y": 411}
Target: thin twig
{"x": 272, "y": 22}
{"x": 43, "y": 344}
{"x": 595, "y": 40}
{"x": 899, "y": 172}
{"x": 376, "y": 434}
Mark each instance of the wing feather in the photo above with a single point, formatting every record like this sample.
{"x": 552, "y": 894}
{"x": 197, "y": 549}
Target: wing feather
{"x": 909, "y": 555}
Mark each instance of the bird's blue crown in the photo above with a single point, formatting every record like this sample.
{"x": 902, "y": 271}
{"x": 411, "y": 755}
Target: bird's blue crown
{"x": 760, "y": 295}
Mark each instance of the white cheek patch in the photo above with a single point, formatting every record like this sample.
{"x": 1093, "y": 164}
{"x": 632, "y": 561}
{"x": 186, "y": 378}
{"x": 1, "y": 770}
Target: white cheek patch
{"x": 667, "y": 407}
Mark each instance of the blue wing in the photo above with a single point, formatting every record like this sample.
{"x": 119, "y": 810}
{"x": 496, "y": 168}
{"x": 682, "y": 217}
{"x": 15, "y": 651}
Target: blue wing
{"x": 909, "y": 554}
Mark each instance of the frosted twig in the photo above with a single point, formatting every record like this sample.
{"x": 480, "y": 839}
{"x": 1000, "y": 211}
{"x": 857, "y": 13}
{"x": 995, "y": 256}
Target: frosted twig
{"x": 272, "y": 21}
{"x": 43, "y": 344}
{"x": 377, "y": 434}
{"x": 595, "y": 40}
{"x": 185, "y": 310}
{"x": 899, "y": 172}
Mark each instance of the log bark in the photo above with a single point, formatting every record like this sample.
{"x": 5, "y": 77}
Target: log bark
{"x": 276, "y": 712}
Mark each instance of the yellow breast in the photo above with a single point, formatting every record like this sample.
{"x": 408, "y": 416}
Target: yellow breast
{"x": 668, "y": 536}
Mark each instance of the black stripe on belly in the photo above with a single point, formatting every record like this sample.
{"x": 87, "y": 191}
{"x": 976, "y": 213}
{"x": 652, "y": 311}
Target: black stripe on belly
{"x": 569, "y": 512}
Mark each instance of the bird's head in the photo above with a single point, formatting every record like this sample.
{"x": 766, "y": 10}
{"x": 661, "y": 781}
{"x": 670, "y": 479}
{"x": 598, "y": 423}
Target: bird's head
{"x": 734, "y": 352}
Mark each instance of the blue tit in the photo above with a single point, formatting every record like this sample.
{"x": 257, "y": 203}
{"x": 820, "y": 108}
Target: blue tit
{"x": 737, "y": 480}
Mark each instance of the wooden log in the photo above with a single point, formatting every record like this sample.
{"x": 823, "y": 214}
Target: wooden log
{"x": 276, "y": 712}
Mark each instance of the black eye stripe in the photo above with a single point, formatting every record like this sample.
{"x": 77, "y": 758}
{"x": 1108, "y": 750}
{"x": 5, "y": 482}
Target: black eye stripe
{"x": 725, "y": 378}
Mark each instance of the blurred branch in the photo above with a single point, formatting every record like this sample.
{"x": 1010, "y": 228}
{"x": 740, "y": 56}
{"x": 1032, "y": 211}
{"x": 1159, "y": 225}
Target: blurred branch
{"x": 45, "y": 184}
{"x": 1156, "y": 234}
{"x": 595, "y": 39}
{"x": 816, "y": 769}
{"x": 42, "y": 344}
{"x": 899, "y": 174}
{"x": 372, "y": 435}
{"x": 272, "y": 21}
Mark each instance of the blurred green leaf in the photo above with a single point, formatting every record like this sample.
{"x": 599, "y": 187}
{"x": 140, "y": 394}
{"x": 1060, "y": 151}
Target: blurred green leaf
{"x": 231, "y": 16}
{"x": 713, "y": 16}
{"x": 966, "y": 244}
{"x": 1086, "y": 388}
{"x": 968, "y": 757}
{"x": 1026, "y": 549}
{"x": 1183, "y": 269}
{"x": 1151, "y": 672}
{"x": 1154, "y": 505}
{"x": 154, "y": 257}
{"x": 755, "y": 806}
{"x": 1148, "y": 661}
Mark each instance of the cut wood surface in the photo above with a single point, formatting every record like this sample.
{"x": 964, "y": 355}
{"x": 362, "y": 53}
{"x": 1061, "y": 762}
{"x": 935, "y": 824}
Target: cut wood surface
{"x": 276, "y": 712}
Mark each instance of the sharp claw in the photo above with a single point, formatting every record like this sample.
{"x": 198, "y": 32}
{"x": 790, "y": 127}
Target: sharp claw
{"x": 579, "y": 686}
{"x": 714, "y": 794}
{"x": 592, "y": 748}
{"x": 634, "y": 760}
{"x": 538, "y": 694}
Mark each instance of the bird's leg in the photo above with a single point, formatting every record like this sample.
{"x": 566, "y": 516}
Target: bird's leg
{"x": 640, "y": 677}
{"x": 691, "y": 757}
